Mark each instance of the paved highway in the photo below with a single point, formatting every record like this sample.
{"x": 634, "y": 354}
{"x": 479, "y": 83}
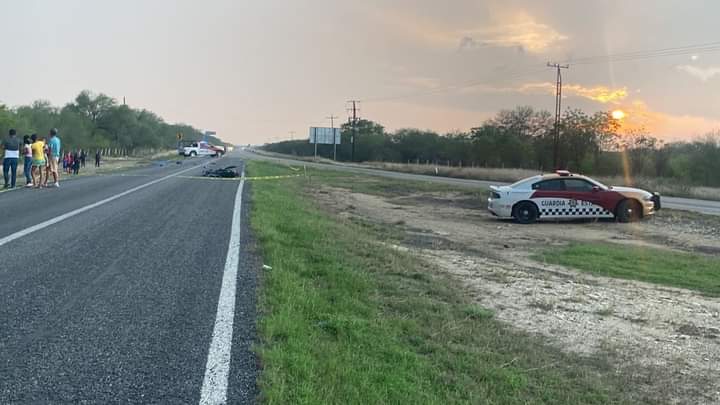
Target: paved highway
{"x": 134, "y": 288}
{"x": 685, "y": 204}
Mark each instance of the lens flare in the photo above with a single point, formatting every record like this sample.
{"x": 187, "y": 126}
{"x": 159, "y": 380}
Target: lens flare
{"x": 618, "y": 114}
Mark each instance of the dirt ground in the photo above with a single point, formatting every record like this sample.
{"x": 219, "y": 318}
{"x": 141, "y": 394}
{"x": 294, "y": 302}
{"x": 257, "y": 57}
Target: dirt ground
{"x": 665, "y": 340}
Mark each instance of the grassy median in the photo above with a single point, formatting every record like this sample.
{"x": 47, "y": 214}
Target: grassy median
{"x": 347, "y": 319}
{"x": 675, "y": 269}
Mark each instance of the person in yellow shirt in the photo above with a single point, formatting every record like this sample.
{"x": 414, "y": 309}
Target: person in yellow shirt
{"x": 38, "y": 160}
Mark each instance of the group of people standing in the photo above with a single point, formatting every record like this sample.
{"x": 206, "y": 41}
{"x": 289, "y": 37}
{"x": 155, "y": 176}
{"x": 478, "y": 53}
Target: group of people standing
{"x": 41, "y": 159}
{"x": 73, "y": 161}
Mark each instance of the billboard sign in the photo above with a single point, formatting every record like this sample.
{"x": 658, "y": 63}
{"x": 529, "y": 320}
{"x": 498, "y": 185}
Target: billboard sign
{"x": 324, "y": 136}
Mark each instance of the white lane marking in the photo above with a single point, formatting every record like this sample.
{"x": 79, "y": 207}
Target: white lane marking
{"x": 214, "y": 388}
{"x": 80, "y": 210}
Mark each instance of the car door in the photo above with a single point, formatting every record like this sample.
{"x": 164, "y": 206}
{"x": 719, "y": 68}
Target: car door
{"x": 584, "y": 198}
{"x": 551, "y": 198}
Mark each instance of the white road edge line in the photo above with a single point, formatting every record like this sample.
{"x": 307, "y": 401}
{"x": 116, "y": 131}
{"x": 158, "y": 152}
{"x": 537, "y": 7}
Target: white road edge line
{"x": 217, "y": 369}
{"x": 42, "y": 225}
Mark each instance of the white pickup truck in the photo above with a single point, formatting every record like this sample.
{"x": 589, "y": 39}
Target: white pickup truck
{"x": 202, "y": 148}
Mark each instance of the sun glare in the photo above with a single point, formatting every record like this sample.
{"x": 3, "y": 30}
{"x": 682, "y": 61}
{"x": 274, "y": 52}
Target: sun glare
{"x": 618, "y": 114}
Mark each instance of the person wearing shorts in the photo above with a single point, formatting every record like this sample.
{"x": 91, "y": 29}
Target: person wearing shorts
{"x": 54, "y": 147}
{"x": 38, "y": 160}
{"x": 46, "y": 150}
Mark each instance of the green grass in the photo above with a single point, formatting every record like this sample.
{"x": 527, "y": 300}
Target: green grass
{"x": 692, "y": 271}
{"x": 346, "y": 319}
{"x": 368, "y": 184}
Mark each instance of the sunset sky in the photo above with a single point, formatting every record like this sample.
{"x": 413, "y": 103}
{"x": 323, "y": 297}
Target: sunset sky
{"x": 254, "y": 71}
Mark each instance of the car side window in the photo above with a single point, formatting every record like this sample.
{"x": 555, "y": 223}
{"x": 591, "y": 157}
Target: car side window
{"x": 578, "y": 185}
{"x": 549, "y": 185}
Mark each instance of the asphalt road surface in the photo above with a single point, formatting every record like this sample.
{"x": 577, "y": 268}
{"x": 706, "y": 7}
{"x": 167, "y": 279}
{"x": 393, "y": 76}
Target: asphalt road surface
{"x": 133, "y": 288}
{"x": 685, "y": 204}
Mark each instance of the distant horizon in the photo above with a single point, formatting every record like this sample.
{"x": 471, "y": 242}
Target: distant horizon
{"x": 299, "y": 136}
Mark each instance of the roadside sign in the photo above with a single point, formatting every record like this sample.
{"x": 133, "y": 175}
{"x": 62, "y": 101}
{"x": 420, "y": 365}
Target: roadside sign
{"x": 324, "y": 136}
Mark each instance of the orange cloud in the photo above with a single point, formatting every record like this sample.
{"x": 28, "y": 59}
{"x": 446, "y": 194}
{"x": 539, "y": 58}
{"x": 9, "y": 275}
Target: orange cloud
{"x": 601, "y": 94}
{"x": 668, "y": 127}
{"x": 518, "y": 29}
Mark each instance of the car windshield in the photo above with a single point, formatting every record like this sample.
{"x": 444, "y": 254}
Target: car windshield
{"x": 597, "y": 183}
{"x": 360, "y": 202}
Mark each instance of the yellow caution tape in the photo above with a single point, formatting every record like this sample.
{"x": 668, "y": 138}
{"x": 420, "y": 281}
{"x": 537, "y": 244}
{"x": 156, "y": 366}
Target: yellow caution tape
{"x": 273, "y": 177}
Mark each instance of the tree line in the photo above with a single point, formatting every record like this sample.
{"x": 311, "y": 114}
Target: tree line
{"x": 97, "y": 121}
{"x": 524, "y": 138}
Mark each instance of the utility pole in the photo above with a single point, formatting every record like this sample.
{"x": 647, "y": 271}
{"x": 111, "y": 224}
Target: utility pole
{"x": 332, "y": 129}
{"x": 353, "y": 136}
{"x": 558, "y": 110}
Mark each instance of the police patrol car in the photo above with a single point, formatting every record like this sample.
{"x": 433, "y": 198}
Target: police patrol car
{"x": 564, "y": 195}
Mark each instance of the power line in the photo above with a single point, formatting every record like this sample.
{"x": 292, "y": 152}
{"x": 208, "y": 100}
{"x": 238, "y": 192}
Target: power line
{"x": 694, "y": 49}
{"x": 589, "y": 60}
{"x": 646, "y": 54}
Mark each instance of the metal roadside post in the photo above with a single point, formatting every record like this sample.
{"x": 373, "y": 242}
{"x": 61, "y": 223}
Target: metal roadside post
{"x": 315, "y": 140}
{"x": 337, "y": 138}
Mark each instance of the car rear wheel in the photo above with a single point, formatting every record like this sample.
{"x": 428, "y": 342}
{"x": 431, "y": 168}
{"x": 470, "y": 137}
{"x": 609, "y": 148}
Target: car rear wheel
{"x": 628, "y": 211}
{"x": 526, "y": 213}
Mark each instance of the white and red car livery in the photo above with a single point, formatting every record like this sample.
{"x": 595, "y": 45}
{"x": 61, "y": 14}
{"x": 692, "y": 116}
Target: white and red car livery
{"x": 201, "y": 148}
{"x": 564, "y": 195}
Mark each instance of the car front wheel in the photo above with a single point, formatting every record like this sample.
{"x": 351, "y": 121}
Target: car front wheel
{"x": 629, "y": 211}
{"x": 526, "y": 213}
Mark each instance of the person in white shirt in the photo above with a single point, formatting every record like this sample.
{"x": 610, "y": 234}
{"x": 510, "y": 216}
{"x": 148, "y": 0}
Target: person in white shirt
{"x": 27, "y": 161}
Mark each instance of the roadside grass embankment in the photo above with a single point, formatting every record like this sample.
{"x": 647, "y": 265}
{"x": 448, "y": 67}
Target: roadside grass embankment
{"x": 665, "y": 186}
{"x": 674, "y": 269}
{"x": 345, "y": 318}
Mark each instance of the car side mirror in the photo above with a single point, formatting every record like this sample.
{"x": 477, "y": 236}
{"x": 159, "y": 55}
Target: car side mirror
{"x": 596, "y": 189}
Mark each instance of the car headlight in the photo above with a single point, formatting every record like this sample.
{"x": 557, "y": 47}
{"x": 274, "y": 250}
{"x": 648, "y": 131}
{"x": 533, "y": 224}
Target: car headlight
{"x": 494, "y": 195}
